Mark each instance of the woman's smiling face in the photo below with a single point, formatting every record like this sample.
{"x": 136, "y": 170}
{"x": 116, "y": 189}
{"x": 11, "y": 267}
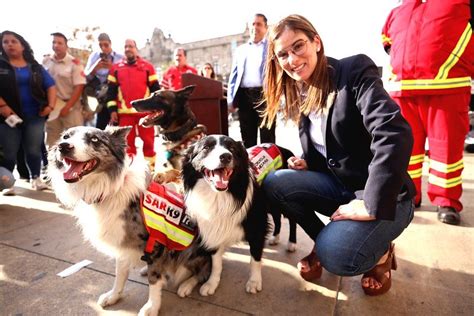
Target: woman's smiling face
{"x": 296, "y": 54}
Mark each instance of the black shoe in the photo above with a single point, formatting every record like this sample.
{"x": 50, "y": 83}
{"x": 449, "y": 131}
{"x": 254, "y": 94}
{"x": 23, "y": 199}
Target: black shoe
{"x": 448, "y": 215}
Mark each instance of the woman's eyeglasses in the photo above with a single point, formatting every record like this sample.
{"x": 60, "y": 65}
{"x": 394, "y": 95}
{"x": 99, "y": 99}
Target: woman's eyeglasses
{"x": 298, "y": 49}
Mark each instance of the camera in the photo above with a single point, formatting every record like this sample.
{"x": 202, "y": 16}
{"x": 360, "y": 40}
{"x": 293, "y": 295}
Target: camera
{"x": 13, "y": 120}
{"x": 104, "y": 56}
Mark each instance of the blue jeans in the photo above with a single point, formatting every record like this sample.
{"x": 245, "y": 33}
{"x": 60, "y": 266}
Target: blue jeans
{"x": 344, "y": 247}
{"x": 30, "y": 135}
{"x": 6, "y": 179}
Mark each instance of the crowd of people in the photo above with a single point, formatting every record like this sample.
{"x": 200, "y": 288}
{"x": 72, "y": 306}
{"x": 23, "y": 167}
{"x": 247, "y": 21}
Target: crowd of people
{"x": 39, "y": 101}
{"x": 363, "y": 147}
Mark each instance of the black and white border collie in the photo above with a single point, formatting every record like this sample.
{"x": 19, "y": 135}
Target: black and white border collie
{"x": 91, "y": 172}
{"x": 221, "y": 194}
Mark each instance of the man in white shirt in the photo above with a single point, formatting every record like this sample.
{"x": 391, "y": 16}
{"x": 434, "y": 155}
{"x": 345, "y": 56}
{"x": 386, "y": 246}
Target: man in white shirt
{"x": 68, "y": 73}
{"x": 245, "y": 84}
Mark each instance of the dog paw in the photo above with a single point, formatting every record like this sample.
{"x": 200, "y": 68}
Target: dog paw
{"x": 253, "y": 286}
{"x": 109, "y": 298}
{"x": 159, "y": 178}
{"x": 208, "y": 288}
{"x": 274, "y": 240}
{"x": 185, "y": 289}
{"x": 291, "y": 247}
{"x": 149, "y": 309}
{"x": 144, "y": 271}
{"x": 172, "y": 175}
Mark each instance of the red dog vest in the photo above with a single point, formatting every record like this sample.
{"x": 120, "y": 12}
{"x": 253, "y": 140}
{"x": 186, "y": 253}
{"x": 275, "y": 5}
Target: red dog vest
{"x": 263, "y": 159}
{"x": 165, "y": 219}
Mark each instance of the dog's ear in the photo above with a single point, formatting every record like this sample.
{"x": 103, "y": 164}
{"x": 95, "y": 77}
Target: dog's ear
{"x": 242, "y": 152}
{"x": 190, "y": 153}
{"x": 186, "y": 91}
{"x": 119, "y": 132}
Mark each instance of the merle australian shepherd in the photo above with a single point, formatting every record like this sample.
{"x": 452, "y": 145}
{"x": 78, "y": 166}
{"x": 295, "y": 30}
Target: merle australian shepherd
{"x": 91, "y": 172}
{"x": 221, "y": 194}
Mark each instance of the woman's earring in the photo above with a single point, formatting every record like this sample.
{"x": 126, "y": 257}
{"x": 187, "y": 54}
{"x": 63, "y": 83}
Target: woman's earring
{"x": 319, "y": 48}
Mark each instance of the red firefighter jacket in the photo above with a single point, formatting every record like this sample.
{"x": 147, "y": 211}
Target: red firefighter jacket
{"x": 128, "y": 82}
{"x": 431, "y": 47}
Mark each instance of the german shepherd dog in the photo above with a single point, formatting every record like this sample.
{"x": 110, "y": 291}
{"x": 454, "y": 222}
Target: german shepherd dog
{"x": 176, "y": 122}
{"x": 91, "y": 172}
{"x": 169, "y": 110}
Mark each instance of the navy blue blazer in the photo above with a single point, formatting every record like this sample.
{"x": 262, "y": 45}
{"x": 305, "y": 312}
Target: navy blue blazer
{"x": 368, "y": 142}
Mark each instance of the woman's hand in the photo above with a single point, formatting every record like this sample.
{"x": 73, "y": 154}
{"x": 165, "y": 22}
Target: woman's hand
{"x": 46, "y": 110}
{"x": 297, "y": 163}
{"x": 355, "y": 210}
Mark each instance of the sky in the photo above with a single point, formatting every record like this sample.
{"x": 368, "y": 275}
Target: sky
{"x": 347, "y": 27}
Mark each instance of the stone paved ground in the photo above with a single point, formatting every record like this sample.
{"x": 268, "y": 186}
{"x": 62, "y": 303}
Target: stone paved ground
{"x": 38, "y": 239}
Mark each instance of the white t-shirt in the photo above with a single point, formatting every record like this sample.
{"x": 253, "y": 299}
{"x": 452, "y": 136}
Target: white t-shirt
{"x": 317, "y": 131}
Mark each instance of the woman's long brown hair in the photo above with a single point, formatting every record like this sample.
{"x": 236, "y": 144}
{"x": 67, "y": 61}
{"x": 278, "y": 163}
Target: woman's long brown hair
{"x": 278, "y": 86}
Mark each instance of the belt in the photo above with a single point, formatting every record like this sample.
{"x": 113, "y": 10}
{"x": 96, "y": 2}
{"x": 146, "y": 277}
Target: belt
{"x": 256, "y": 89}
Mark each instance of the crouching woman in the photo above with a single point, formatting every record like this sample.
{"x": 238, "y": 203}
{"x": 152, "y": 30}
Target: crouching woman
{"x": 356, "y": 149}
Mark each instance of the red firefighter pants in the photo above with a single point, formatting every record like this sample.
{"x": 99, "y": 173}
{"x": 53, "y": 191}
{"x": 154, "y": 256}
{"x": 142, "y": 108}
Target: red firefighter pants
{"x": 146, "y": 134}
{"x": 444, "y": 121}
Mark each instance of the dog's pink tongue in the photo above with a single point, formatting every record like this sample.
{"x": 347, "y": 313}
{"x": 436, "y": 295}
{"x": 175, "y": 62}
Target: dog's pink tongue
{"x": 220, "y": 178}
{"x": 74, "y": 170}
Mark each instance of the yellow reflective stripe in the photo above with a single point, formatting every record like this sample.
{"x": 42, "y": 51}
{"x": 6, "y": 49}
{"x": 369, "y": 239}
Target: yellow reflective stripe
{"x": 125, "y": 110}
{"x": 444, "y": 183}
{"x": 111, "y": 79}
{"x": 274, "y": 165}
{"x": 386, "y": 39}
{"x": 428, "y": 84}
{"x": 415, "y": 174}
{"x": 416, "y": 159}
{"x": 172, "y": 232}
{"x": 153, "y": 78}
{"x": 123, "y": 105}
{"x": 445, "y": 168}
{"x": 458, "y": 50}
{"x": 111, "y": 103}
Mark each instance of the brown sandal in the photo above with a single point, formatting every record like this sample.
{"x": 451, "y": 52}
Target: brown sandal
{"x": 310, "y": 267}
{"x": 378, "y": 273}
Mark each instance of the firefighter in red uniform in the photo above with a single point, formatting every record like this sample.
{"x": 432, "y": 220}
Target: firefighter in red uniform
{"x": 131, "y": 79}
{"x": 432, "y": 54}
{"x": 172, "y": 76}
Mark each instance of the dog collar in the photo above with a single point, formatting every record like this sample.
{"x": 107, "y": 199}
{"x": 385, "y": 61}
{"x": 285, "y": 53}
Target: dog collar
{"x": 178, "y": 134}
{"x": 185, "y": 143}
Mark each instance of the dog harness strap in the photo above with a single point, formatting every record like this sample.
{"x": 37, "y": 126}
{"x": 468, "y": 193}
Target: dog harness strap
{"x": 180, "y": 132}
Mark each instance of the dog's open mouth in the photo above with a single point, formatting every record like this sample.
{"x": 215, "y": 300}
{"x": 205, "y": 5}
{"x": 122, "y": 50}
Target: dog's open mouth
{"x": 218, "y": 178}
{"x": 151, "y": 118}
{"x": 77, "y": 169}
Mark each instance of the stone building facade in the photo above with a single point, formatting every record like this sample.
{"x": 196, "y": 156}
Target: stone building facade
{"x": 217, "y": 51}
